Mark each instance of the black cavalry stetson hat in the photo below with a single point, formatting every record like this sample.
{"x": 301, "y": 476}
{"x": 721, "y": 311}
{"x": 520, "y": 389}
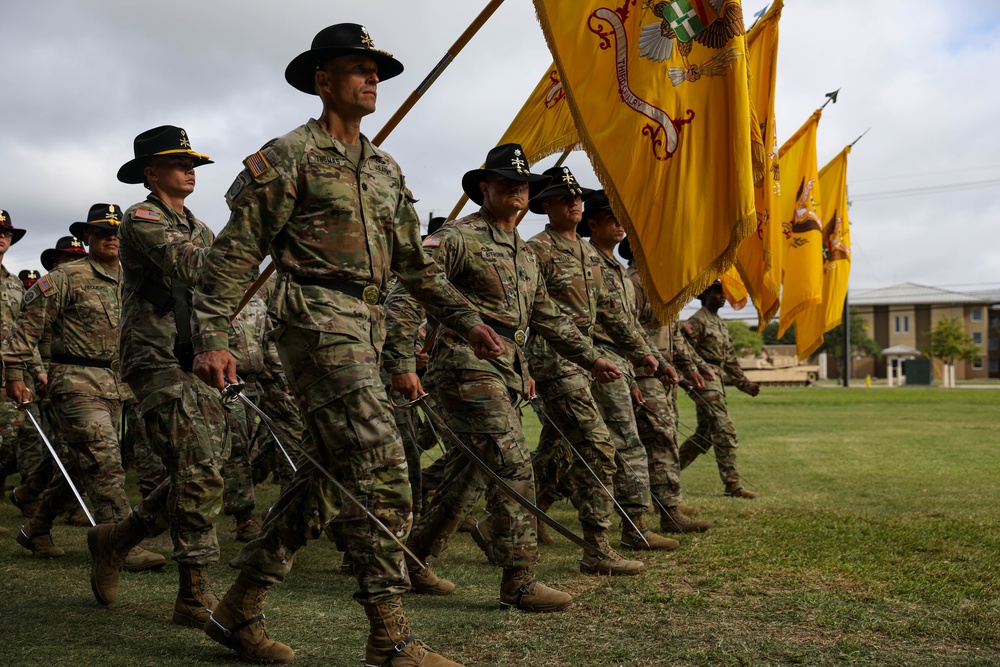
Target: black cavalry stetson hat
{"x": 598, "y": 201}
{"x": 506, "y": 160}
{"x": 28, "y": 277}
{"x": 342, "y": 39}
{"x": 67, "y": 245}
{"x": 100, "y": 216}
{"x": 716, "y": 285}
{"x": 7, "y": 226}
{"x": 162, "y": 140}
{"x": 563, "y": 183}
{"x": 625, "y": 250}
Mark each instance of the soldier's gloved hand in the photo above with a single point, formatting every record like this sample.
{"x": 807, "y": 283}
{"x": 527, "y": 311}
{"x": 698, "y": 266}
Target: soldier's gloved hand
{"x": 696, "y": 380}
{"x": 216, "y": 368}
{"x": 18, "y": 391}
{"x": 605, "y": 370}
{"x": 650, "y": 363}
{"x": 485, "y": 342}
{"x": 407, "y": 385}
{"x": 668, "y": 376}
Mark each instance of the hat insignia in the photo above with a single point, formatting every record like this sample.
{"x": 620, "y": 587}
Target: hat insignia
{"x": 366, "y": 39}
{"x": 75, "y": 243}
{"x": 32, "y": 275}
{"x": 517, "y": 162}
{"x": 185, "y": 143}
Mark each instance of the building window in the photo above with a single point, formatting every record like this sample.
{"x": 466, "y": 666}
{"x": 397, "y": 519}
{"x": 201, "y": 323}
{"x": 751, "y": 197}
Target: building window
{"x": 994, "y": 342}
{"x": 902, "y": 324}
{"x": 993, "y": 320}
{"x": 977, "y": 365}
{"x": 977, "y": 314}
{"x": 994, "y": 365}
{"x": 977, "y": 338}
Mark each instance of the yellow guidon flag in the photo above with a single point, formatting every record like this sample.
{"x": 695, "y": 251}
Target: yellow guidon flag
{"x": 660, "y": 98}
{"x": 817, "y": 320}
{"x": 544, "y": 125}
{"x": 759, "y": 257}
{"x": 801, "y": 225}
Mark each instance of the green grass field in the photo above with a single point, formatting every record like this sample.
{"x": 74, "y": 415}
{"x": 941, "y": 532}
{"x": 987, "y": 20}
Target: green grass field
{"x": 875, "y": 541}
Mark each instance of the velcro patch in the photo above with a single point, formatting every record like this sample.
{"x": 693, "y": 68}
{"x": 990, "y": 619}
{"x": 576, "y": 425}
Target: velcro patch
{"x": 146, "y": 214}
{"x": 432, "y": 242}
{"x": 689, "y": 328}
{"x": 43, "y": 283}
{"x": 257, "y": 164}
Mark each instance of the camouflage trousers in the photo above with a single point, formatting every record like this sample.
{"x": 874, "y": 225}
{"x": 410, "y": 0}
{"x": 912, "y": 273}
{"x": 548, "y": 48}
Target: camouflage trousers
{"x": 614, "y": 400}
{"x": 30, "y": 456}
{"x": 352, "y": 435}
{"x": 237, "y": 471}
{"x": 479, "y": 408}
{"x": 715, "y": 430}
{"x": 89, "y": 426}
{"x": 657, "y": 423}
{"x": 569, "y": 407}
{"x": 10, "y": 423}
{"x": 187, "y": 428}
{"x": 268, "y": 458}
{"x": 136, "y": 453}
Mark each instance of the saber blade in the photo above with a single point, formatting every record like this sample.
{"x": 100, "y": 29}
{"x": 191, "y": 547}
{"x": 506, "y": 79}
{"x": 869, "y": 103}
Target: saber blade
{"x": 52, "y": 451}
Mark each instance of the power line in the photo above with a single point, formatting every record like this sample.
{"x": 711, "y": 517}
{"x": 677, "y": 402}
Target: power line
{"x": 936, "y": 173}
{"x": 930, "y": 189}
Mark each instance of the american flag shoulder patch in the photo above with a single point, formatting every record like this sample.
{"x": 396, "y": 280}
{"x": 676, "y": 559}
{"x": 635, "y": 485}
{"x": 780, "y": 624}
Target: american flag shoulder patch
{"x": 432, "y": 242}
{"x": 689, "y": 328}
{"x": 146, "y": 214}
{"x": 257, "y": 164}
{"x": 43, "y": 283}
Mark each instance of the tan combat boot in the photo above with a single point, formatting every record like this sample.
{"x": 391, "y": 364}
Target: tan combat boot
{"x": 109, "y": 544}
{"x": 734, "y": 490}
{"x": 40, "y": 544}
{"x": 24, "y": 500}
{"x": 690, "y": 510}
{"x": 544, "y": 501}
{"x": 195, "y": 597}
{"x": 238, "y": 623}
{"x": 77, "y": 517}
{"x": 614, "y": 565}
{"x": 675, "y": 521}
{"x": 4, "y": 531}
{"x": 140, "y": 560}
{"x": 425, "y": 582}
{"x": 391, "y": 642}
{"x": 520, "y": 590}
{"x": 645, "y": 539}
{"x": 247, "y": 528}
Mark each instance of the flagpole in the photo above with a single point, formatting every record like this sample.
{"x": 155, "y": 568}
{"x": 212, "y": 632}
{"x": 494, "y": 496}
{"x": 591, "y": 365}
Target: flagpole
{"x": 429, "y": 80}
{"x": 436, "y": 72}
{"x": 859, "y": 138}
{"x": 847, "y": 343}
{"x": 830, "y": 97}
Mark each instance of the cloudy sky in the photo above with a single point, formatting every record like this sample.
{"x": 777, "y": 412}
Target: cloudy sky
{"x": 81, "y": 79}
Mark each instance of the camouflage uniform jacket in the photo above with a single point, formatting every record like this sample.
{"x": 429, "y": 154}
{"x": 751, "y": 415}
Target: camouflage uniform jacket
{"x": 320, "y": 217}
{"x": 709, "y": 336}
{"x": 574, "y": 280}
{"x": 623, "y": 292}
{"x": 500, "y": 276}
{"x": 11, "y": 295}
{"x": 158, "y": 245}
{"x": 667, "y": 338}
{"x": 80, "y": 302}
{"x": 246, "y": 339}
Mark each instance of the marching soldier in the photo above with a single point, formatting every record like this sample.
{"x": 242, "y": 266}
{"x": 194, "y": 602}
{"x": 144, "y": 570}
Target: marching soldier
{"x": 709, "y": 338}
{"x": 163, "y": 248}
{"x": 336, "y": 216}
{"x": 80, "y": 301}
{"x": 656, "y": 411}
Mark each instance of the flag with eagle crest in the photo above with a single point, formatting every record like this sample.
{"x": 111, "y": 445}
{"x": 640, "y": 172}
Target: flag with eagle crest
{"x": 659, "y": 94}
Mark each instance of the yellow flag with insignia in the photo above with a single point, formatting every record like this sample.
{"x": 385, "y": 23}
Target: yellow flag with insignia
{"x": 801, "y": 226}
{"x": 759, "y": 257}
{"x": 660, "y": 96}
{"x": 544, "y": 125}
{"x": 817, "y": 320}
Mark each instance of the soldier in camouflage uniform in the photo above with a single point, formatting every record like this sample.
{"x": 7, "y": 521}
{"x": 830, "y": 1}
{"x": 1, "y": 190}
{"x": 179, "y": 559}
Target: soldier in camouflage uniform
{"x": 708, "y": 336}
{"x": 615, "y": 400}
{"x": 574, "y": 280}
{"x": 336, "y": 216}
{"x": 163, "y": 248}
{"x": 11, "y": 293}
{"x": 80, "y": 301}
{"x": 485, "y": 258}
{"x": 655, "y": 409}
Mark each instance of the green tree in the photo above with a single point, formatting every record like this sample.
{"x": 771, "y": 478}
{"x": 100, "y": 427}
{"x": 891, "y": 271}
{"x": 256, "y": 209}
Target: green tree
{"x": 770, "y": 335}
{"x": 861, "y": 343}
{"x": 746, "y": 342}
{"x": 950, "y": 343}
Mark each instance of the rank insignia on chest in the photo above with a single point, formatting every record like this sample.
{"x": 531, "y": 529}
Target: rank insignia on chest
{"x": 257, "y": 164}
{"x": 432, "y": 242}
{"x": 146, "y": 214}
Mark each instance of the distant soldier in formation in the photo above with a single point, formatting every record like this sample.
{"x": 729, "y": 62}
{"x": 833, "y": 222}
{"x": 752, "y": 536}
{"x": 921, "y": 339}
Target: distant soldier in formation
{"x": 336, "y": 217}
{"x": 80, "y": 302}
{"x": 709, "y": 338}
{"x": 163, "y": 248}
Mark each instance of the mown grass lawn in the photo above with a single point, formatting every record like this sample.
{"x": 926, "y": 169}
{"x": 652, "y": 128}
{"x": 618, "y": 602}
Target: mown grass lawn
{"x": 875, "y": 541}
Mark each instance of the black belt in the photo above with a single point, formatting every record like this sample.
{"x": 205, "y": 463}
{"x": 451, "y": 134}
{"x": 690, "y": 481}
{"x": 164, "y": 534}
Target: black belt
{"x": 587, "y": 331}
{"x": 510, "y": 333}
{"x": 73, "y": 360}
{"x": 714, "y": 362}
{"x": 610, "y": 347}
{"x": 370, "y": 294}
